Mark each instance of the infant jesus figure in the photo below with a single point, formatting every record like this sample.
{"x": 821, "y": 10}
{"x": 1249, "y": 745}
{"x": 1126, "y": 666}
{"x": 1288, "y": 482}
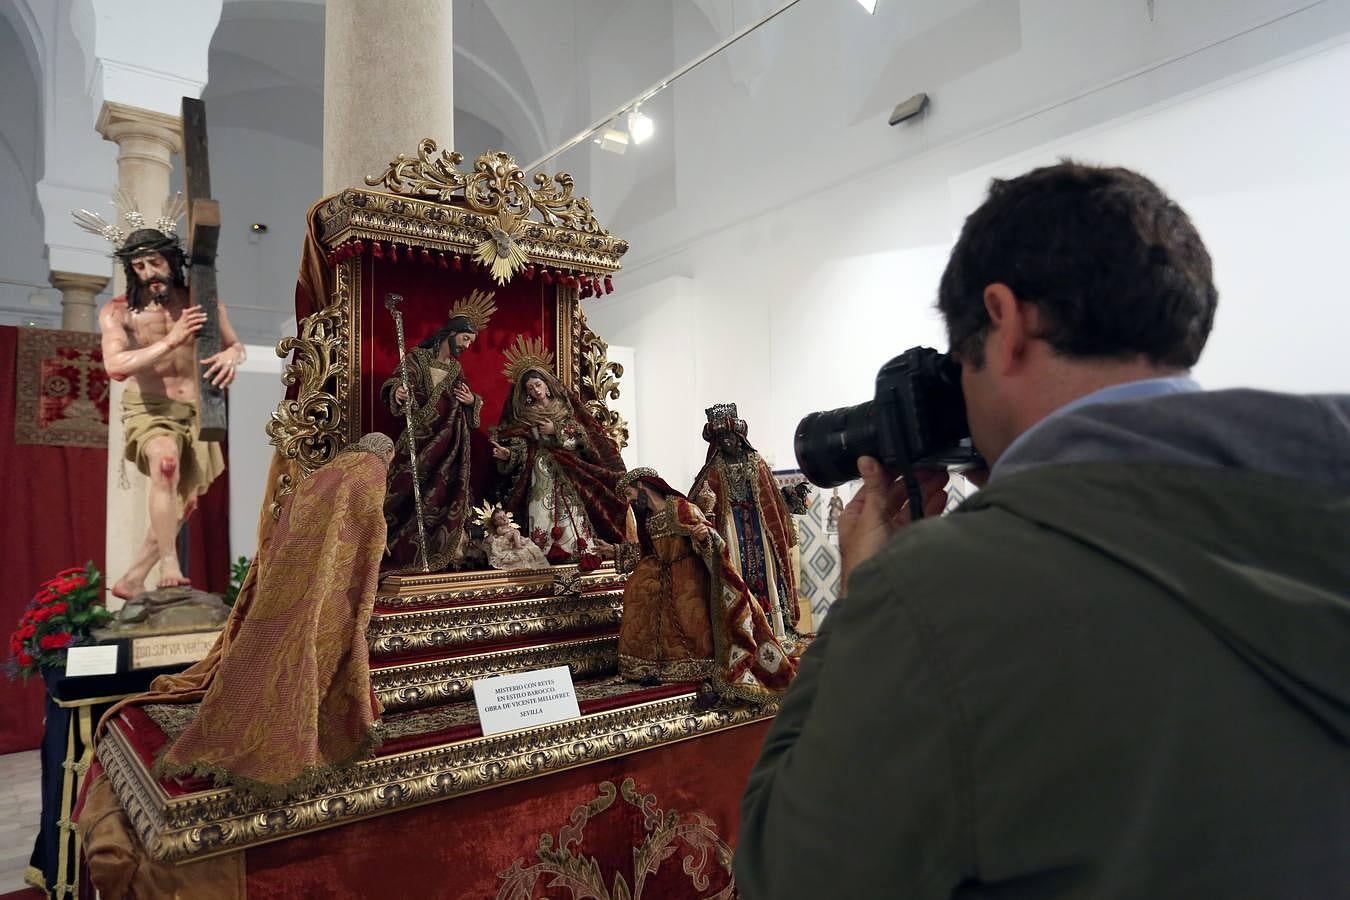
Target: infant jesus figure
{"x": 505, "y": 546}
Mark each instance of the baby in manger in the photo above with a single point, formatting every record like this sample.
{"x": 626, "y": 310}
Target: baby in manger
{"x": 505, "y": 546}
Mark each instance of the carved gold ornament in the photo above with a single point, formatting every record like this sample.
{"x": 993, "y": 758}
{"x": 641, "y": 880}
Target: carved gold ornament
{"x": 599, "y": 382}
{"x": 496, "y": 189}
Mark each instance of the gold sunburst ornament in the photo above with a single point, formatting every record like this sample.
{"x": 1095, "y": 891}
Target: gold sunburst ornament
{"x": 478, "y": 308}
{"x": 500, "y": 252}
{"x": 524, "y": 355}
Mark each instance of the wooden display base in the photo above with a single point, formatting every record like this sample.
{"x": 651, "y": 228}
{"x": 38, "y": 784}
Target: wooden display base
{"x": 430, "y": 637}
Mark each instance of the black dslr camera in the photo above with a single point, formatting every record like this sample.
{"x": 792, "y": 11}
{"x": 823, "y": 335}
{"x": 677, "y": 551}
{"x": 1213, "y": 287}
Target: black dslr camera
{"x": 917, "y": 418}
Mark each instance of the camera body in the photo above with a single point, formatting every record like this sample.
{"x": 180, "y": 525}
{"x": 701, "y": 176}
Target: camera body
{"x": 918, "y": 417}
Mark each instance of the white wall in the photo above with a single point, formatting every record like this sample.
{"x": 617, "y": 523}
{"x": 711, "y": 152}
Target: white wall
{"x": 795, "y": 309}
{"x": 253, "y": 397}
{"x": 23, "y": 264}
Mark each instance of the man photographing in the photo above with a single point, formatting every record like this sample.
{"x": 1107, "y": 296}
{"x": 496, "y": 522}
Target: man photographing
{"x": 1121, "y": 668}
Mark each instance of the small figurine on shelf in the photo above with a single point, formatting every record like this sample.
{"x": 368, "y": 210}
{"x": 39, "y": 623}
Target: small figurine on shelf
{"x": 505, "y": 546}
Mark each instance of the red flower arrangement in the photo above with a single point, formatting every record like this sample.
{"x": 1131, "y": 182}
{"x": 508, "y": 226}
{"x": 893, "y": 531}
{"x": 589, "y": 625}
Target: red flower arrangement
{"x": 61, "y": 614}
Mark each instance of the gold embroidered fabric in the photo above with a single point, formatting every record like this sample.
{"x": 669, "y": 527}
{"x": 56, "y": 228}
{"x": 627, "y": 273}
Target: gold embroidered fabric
{"x": 285, "y": 694}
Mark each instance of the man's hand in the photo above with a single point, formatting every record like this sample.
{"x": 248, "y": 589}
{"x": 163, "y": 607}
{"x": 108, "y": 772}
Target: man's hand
{"x": 222, "y": 367}
{"x": 880, "y": 509}
{"x": 187, "y": 326}
{"x": 463, "y": 394}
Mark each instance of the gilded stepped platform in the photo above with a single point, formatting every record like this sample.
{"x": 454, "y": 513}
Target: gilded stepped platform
{"x": 429, "y": 637}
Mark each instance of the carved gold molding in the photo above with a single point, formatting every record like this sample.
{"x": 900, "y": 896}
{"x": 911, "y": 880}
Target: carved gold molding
{"x": 598, "y": 381}
{"x": 211, "y": 822}
{"x": 390, "y": 634}
{"x": 414, "y": 591}
{"x": 413, "y": 685}
{"x": 498, "y": 204}
{"x": 312, "y": 428}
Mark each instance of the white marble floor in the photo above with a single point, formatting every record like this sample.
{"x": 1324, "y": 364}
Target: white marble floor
{"x": 20, "y": 806}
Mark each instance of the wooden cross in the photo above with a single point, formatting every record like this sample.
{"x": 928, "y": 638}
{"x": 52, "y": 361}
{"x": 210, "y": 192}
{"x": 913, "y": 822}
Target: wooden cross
{"x": 203, "y": 236}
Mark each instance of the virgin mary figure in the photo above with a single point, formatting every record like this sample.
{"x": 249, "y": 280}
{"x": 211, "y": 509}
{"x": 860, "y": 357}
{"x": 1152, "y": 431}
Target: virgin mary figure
{"x": 559, "y": 464}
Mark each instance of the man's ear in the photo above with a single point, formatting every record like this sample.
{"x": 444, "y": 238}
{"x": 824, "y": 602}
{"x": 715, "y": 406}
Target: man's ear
{"x": 1011, "y": 328}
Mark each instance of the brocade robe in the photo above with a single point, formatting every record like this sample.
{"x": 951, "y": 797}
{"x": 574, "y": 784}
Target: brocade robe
{"x": 567, "y": 481}
{"x": 687, "y": 614}
{"x": 442, "y": 426}
{"x": 751, "y": 515}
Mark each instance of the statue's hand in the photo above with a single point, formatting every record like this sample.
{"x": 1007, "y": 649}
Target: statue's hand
{"x": 463, "y": 394}
{"x": 222, "y": 367}
{"x": 187, "y": 326}
{"x": 547, "y": 427}
{"x": 400, "y": 397}
{"x": 500, "y": 452}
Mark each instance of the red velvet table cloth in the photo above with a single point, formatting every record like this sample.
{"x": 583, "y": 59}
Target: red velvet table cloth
{"x": 588, "y": 826}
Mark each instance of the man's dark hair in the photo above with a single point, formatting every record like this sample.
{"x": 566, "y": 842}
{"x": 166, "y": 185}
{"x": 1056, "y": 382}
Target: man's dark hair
{"x": 453, "y": 325}
{"x": 1115, "y": 268}
{"x": 147, "y": 242}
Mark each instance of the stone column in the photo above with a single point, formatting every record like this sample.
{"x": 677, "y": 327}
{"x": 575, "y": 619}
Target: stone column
{"x": 146, "y": 141}
{"x": 78, "y": 292}
{"x": 388, "y": 82}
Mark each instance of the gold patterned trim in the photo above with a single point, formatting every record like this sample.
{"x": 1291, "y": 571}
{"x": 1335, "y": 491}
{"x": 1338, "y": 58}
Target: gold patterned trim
{"x": 357, "y": 214}
{"x": 668, "y": 834}
{"x": 221, "y": 820}
{"x": 446, "y": 680}
{"x": 416, "y": 591}
{"x": 461, "y": 626}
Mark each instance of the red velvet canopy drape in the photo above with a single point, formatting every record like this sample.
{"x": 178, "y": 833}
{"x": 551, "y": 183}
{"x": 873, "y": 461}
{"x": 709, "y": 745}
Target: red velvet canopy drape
{"x": 53, "y": 505}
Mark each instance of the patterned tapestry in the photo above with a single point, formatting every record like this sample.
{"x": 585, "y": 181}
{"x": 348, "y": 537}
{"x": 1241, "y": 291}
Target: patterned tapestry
{"x": 61, "y": 389}
{"x": 818, "y": 576}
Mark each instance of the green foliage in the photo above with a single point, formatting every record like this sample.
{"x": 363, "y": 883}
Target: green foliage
{"x": 61, "y": 614}
{"x": 238, "y": 570}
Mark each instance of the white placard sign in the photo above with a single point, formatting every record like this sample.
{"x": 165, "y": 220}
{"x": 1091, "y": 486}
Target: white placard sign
{"x": 525, "y": 699}
{"x": 99, "y": 660}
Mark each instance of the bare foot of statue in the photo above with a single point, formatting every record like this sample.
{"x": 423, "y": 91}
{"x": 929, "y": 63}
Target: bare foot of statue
{"x": 171, "y": 576}
{"x": 127, "y": 589}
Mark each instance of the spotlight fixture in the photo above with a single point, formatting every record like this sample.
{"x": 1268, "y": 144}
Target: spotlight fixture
{"x": 908, "y": 109}
{"x": 613, "y": 140}
{"x": 640, "y": 125}
{"x": 258, "y": 228}
{"x": 869, "y": 5}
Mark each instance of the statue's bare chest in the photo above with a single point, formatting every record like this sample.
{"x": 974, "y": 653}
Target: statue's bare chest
{"x": 150, "y": 324}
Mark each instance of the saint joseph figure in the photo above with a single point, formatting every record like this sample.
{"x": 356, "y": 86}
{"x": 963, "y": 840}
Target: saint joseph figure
{"x": 444, "y": 412}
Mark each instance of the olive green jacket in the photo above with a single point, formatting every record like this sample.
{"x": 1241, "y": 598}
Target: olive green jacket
{"x": 1100, "y": 679}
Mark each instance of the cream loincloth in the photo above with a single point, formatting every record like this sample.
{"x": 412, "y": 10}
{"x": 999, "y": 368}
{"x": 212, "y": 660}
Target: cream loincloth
{"x": 148, "y": 416}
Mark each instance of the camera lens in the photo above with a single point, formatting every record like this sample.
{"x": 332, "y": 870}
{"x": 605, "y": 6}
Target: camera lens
{"x": 829, "y": 443}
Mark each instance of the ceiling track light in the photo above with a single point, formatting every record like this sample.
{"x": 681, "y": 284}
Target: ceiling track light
{"x": 640, "y": 125}
{"x": 869, "y": 5}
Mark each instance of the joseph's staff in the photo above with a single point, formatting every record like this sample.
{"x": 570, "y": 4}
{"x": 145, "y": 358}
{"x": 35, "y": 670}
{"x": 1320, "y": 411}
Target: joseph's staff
{"x": 391, "y": 302}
